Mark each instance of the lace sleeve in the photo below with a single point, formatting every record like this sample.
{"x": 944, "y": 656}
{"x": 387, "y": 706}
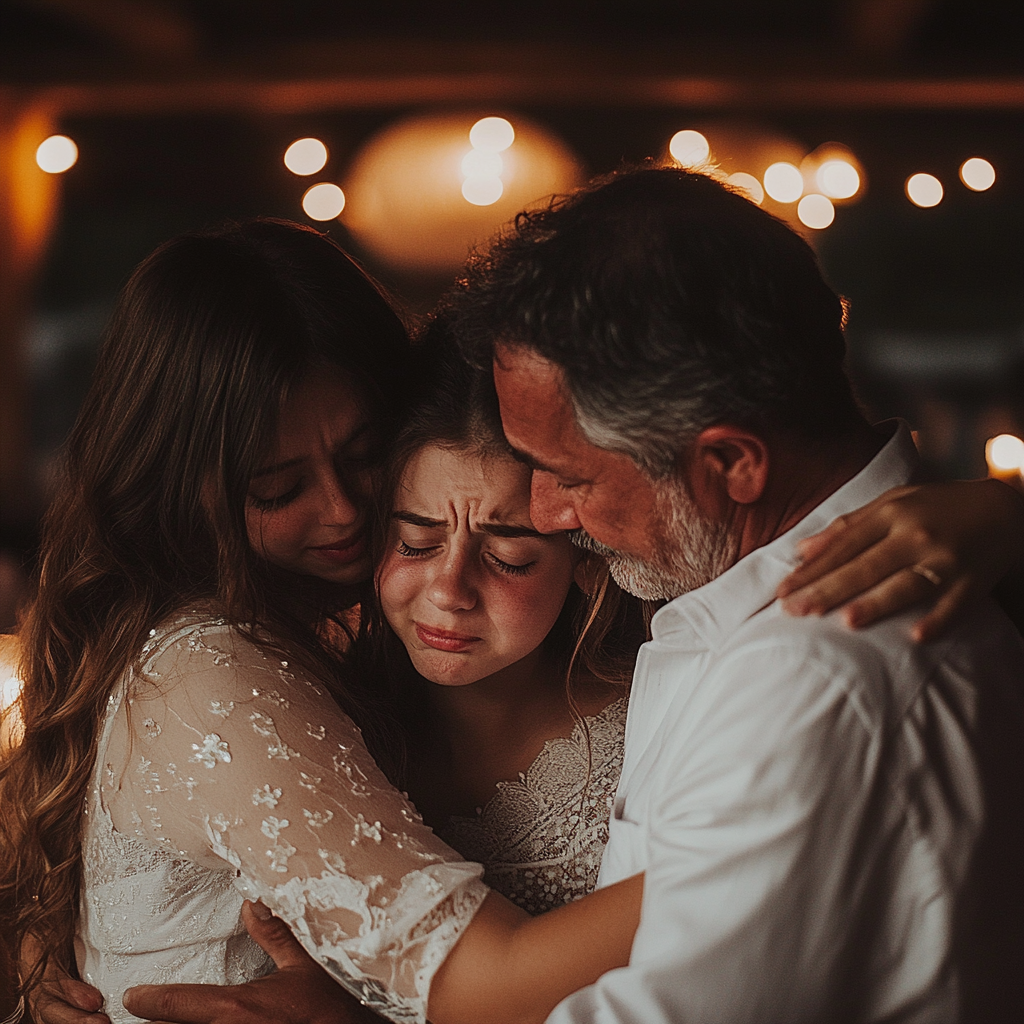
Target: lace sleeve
{"x": 222, "y": 754}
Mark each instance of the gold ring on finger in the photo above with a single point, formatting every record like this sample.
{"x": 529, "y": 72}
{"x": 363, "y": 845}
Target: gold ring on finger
{"x": 928, "y": 574}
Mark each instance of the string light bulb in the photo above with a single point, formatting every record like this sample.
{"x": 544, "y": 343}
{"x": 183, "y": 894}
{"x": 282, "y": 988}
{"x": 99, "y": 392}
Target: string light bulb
{"x": 977, "y": 174}
{"x": 56, "y": 154}
{"x": 924, "y": 190}
{"x": 305, "y": 156}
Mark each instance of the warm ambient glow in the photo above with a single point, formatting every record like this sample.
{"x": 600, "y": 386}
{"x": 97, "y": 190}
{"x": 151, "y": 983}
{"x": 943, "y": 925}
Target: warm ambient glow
{"x": 1005, "y": 456}
{"x": 305, "y": 156}
{"x": 407, "y": 187}
{"x": 838, "y": 179}
{"x": 56, "y": 154}
{"x": 816, "y": 211}
{"x": 492, "y": 135}
{"x": 749, "y": 184}
{"x": 924, "y": 190}
{"x": 323, "y": 202}
{"x": 977, "y": 174}
{"x": 689, "y": 148}
{"x": 784, "y": 182}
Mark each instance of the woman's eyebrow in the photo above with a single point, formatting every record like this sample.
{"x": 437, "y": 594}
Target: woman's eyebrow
{"x": 276, "y": 468}
{"x": 415, "y": 519}
{"x": 510, "y": 530}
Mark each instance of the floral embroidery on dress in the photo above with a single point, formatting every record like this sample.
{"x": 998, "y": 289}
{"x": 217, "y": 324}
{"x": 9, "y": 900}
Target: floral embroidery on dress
{"x": 169, "y": 856}
{"x": 542, "y": 835}
{"x": 266, "y": 796}
{"x": 214, "y": 749}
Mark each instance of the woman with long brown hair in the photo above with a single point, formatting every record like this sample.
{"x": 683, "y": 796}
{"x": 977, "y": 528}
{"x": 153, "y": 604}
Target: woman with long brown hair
{"x": 187, "y": 638}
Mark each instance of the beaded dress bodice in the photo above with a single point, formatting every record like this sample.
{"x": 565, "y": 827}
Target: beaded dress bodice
{"x": 222, "y": 774}
{"x": 541, "y": 836}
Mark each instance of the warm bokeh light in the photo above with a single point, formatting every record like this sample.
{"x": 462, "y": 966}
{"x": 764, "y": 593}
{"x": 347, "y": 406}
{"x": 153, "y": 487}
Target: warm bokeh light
{"x": 305, "y": 156}
{"x": 816, "y": 211}
{"x": 482, "y": 191}
{"x": 924, "y": 190}
{"x": 784, "y": 182}
{"x": 323, "y": 202}
{"x": 838, "y": 179}
{"x": 10, "y": 693}
{"x": 977, "y": 174}
{"x": 492, "y": 134}
{"x": 478, "y": 163}
{"x": 689, "y": 148}
{"x": 56, "y": 154}
{"x": 749, "y": 184}
{"x": 411, "y": 207}
{"x": 1005, "y": 455}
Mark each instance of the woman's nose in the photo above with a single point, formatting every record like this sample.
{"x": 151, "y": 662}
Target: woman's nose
{"x": 551, "y": 509}
{"x": 341, "y": 505}
{"x": 452, "y": 587}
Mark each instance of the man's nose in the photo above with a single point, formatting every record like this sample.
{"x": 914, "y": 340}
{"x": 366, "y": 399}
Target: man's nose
{"x": 551, "y": 509}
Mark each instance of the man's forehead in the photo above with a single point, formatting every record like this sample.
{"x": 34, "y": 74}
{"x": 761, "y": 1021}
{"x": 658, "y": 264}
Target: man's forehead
{"x": 524, "y": 362}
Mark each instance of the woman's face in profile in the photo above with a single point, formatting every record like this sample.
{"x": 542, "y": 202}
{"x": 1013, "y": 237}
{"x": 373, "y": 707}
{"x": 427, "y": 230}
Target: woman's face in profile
{"x": 307, "y": 506}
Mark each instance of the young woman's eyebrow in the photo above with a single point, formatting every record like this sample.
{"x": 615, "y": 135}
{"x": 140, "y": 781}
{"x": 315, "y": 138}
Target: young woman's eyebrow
{"x": 510, "y": 530}
{"x": 276, "y": 468}
{"x": 415, "y": 519}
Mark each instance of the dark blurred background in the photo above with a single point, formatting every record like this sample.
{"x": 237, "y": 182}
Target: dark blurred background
{"x": 182, "y": 110}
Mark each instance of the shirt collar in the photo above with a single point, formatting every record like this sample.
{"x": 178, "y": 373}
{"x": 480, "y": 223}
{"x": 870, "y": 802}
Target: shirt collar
{"x": 709, "y": 615}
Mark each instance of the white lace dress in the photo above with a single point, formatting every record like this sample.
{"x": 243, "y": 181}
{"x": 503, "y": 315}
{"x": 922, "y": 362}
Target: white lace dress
{"x": 541, "y": 836}
{"x": 223, "y": 774}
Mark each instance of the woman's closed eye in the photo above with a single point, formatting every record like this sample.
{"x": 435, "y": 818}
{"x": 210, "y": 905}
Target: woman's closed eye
{"x": 510, "y": 568}
{"x": 267, "y": 503}
{"x": 408, "y": 551}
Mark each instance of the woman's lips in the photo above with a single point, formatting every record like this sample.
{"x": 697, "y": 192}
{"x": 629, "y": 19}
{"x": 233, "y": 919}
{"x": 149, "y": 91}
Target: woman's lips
{"x": 344, "y": 551}
{"x": 445, "y": 640}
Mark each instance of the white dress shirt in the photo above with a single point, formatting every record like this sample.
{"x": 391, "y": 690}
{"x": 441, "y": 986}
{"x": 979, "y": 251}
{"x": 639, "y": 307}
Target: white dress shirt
{"x": 804, "y": 800}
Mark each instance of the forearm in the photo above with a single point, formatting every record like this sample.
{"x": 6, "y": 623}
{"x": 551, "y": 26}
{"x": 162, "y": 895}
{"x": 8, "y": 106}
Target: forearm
{"x": 509, "y": 968}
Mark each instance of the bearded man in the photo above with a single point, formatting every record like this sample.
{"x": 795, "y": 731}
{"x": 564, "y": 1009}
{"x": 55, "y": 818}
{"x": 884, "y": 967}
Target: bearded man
{"x": 806, "y": 801}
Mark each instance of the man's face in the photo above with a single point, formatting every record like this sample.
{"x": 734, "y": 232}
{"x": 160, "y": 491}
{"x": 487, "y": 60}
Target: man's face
{"x": 656, "y": 541}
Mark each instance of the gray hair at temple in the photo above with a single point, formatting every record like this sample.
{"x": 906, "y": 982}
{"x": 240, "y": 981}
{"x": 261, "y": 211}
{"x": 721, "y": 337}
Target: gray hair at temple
{"x": 671, "y": 303}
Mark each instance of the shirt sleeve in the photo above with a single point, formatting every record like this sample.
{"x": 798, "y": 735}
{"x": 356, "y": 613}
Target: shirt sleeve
{"x": 232, "y": 758}
{"x": 766, "y": 835}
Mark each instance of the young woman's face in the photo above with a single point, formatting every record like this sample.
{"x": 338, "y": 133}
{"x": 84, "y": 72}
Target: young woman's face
{"x": 468, "y": 584}
{"x": 307, "y": 506}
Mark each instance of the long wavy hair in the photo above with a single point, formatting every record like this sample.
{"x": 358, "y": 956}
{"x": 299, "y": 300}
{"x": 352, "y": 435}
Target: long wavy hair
{"x": 208, "y": 338}
{"x": 600, "y": 627}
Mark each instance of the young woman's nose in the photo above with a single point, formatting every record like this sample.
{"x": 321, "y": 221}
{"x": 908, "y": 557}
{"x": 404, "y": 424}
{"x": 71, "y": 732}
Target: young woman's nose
{"x": 551, "y": 509}
{"x": 452, "y": 587}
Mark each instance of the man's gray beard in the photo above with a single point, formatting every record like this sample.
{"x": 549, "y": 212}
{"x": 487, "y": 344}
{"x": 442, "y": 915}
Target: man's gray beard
{"x": 694, "y": 550}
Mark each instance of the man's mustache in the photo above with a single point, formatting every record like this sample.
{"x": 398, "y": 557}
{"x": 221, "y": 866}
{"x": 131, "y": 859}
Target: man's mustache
{"x": 585, "y": 542}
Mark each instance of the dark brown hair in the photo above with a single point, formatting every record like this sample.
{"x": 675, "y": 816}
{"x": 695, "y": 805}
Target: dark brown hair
{"x": 208, "y": 337}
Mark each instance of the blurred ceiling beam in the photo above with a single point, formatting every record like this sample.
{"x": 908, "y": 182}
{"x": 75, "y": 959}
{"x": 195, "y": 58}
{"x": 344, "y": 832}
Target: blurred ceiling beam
{"x": 883, "y": 28}
{"x": 377, "y": 91}
{"x": 144, "y": 30}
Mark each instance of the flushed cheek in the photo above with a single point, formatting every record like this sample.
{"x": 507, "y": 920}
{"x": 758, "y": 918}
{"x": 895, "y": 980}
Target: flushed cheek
{"x": 398, "y": 586}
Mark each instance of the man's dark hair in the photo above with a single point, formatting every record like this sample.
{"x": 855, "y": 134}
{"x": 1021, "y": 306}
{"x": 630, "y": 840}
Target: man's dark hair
{"x": 670, "y": 302}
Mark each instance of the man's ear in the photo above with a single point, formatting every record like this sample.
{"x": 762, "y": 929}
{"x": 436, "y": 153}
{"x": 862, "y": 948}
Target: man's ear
{"x": 730, "y": 460}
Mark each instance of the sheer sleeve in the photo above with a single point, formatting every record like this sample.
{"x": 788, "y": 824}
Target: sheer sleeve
{"x": 221, "y": 753}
